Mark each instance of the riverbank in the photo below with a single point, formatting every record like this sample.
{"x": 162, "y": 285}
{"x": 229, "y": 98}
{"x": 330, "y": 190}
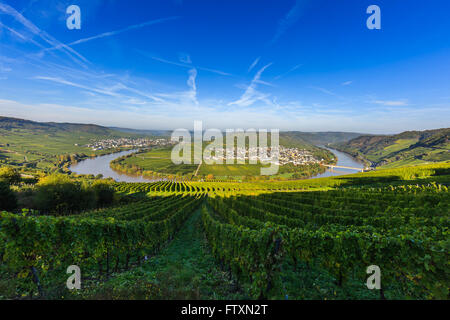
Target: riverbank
{"x": 104, "y": 165}
{"x": 101, "y": 165}
{"x": 158, "y": 163}
{"x": 342, "y": 159}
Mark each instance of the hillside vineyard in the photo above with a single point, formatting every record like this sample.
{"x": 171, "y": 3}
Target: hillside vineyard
{"x": 258, "y": 232}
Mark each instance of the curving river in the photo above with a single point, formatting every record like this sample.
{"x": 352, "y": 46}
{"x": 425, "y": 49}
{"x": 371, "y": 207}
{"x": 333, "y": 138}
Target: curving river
{"x": 100, "y": 165}
{"x": 343, "y": 159}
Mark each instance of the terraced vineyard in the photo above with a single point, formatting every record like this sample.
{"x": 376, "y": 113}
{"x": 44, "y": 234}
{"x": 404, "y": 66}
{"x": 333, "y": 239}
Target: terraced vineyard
{"x": 274, "y": 239}
{"x": 403, "y": 230}
{"x": 39, "y": 248}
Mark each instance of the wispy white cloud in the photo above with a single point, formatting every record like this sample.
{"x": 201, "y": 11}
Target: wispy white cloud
{"x": 185, "y": 65}
{"x": 184, "y": 58}
{"x": 77, "y": 85}
{"x": 289, "y": 20}
{"x": 116, "y": 32}
{"x": 326, "y": 91}
{"x": 251, "y": 95}
{"x": 21, "y": 36}
{"x": 254, "y": 63}
{"x": 289, "y": 71}
{"x": 346, "y": 83}
{"x": 44, "y": 36}
{"x": 391, "y": 103}
{"x": 29, "y": 5}
{"x": 302, "y": 119}
{"x": 135, "y": 102}
{"x": 192, "y": 93}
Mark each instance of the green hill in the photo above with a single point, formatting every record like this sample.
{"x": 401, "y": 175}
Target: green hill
{"x": 406, "y": 148}
{"x": 321, "y": 138}
{"x": 38, "y": 144}
{"x": 7, "y": 123}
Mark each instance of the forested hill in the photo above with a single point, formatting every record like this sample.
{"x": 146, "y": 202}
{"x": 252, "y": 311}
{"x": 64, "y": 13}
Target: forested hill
{"x": 7, "y": 123}
{"x": 406, "y": 148}
{"x": 320, "y": 138}
{"x": 153, "y": 133}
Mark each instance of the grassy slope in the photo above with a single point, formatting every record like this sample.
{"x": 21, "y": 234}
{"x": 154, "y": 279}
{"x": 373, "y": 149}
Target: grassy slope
{"x": 407, "y": 148}
{"x": 320, "y": 138}
{"x": 23, "y": 141}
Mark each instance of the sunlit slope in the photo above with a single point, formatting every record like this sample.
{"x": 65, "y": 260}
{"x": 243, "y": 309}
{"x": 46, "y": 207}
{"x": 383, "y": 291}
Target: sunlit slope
{"x": 37, "y": 144}
{"x": 407, "y": 148}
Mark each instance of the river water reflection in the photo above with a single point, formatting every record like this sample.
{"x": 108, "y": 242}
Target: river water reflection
{"x": 343, "y": 160}
{"x": 100, "y": 165}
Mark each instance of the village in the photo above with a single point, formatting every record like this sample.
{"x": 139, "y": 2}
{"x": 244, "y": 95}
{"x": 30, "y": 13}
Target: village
{"x": 127, "y": 143}
{"x": 286, "y": 155}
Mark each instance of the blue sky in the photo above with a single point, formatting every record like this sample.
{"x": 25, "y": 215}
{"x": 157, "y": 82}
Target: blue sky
{"x": 307, "y": 65}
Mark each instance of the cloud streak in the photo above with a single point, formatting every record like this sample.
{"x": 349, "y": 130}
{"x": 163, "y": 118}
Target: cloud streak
{"x": 116, "y": 32}
{"x": 254, "y": 63}
{"x": 251, "y": 95}
{"x": 289, "y": 20}
{"x": 323, "y": 90}
{"x": 289, "y": 71}
{"x": 77, "y": 85}
{"x": 185, "y": 65}
{"x": 391, "y": 103}
{"x": 192, "y": 94}
{"x": 75, "y": 56}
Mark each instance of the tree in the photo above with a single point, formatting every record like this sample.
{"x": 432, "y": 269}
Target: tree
{"x": 10, "y": 175}
{"x": 8, "y": 200}
{"x": 210, "y": 176}
{"x": 59, "y": 194}
{"x": 104, "y": 192}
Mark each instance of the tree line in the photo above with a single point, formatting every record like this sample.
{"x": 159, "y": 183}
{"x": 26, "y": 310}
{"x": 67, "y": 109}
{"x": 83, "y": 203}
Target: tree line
{"x": 56, "y": 194}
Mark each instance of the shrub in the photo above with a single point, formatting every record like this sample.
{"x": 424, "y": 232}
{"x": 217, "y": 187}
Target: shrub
{"x": 104, "y": 192}
{"x": 10, "y": 175}
{"x": 59, "y": 194}
{"x": 8, "y": 200}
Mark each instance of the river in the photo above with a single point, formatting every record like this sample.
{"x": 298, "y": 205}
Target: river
{"x": 100, "y": 165}
{"x": 343, "y": 159}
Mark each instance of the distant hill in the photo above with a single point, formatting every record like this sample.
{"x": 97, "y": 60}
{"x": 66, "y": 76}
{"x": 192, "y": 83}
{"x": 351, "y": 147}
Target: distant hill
{"x": 311, "y": 140}
{"x": 39, "y": 144}
{"x": 154, "y": 133}
{"x": 320, "y": 138}
{"x": 406, "y": 148}
{"x": 7, "y": 123}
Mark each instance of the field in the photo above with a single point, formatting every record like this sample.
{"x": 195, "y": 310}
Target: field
{"x": 34, "y": 149}
{"x": 154, "y": 161}
{"x": 307, "y": 239}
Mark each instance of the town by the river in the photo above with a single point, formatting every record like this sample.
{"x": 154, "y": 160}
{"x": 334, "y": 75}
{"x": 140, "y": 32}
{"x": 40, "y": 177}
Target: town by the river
{"x": 100, "y": 165}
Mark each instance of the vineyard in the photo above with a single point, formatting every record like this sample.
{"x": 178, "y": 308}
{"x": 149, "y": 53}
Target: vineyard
{"x": 38, "y": 247}
{"x": 263, "y": 235}
{"x": 403, "y": 230}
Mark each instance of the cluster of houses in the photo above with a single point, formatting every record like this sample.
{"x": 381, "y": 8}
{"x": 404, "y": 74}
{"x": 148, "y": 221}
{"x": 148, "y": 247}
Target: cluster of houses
{"x": 127, "y": 143}
{"x": 263, "y": 154}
